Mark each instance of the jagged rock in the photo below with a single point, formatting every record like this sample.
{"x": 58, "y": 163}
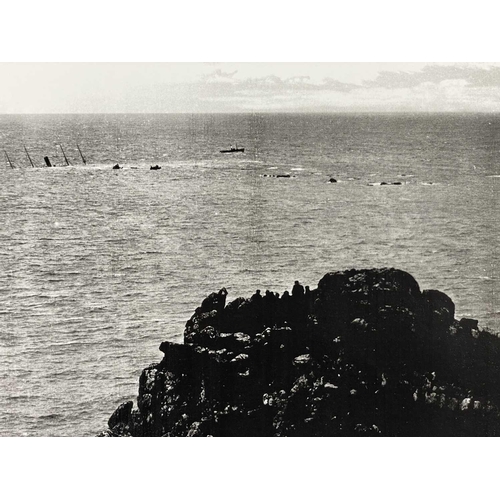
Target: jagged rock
{"x": 121, "y": 415}
{"x": 438, "y": 311}
{"x": 366, "y": 353}
{"x": 468, "y": 324}
{"x": 215, "y": 301}
{"x": 121, "y": 421}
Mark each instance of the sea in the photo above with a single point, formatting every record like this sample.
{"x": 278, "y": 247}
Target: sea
{"x": 99, "y": 266}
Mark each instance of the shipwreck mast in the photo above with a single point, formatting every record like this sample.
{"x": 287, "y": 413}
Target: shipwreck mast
{"x": 67, "y": 162}
{"x": 29, "y": 157}
{"x": 8, "y": 159}
{"x": 83, "y": 158}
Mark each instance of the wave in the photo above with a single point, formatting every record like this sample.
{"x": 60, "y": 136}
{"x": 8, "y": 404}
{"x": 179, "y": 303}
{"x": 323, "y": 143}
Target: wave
{"x": 50, "y": 416}
{"x": 21, "y": 397}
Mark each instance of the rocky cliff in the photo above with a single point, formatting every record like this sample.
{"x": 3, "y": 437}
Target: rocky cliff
{"x": 365, "y": 353}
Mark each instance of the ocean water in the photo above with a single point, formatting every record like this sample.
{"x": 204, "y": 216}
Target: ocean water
{"x": 98, "y": 266}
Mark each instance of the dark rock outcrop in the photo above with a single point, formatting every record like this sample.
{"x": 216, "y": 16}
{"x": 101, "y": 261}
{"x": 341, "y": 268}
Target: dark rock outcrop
{"x": 365, "y": 353}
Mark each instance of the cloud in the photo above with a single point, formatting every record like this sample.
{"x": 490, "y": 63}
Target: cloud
{"x": 219, "y": 76}
{"x": 434, "y": 88}
{"x": 332, "y": 84}
{"x": 474, "y": 76}
{"x": 234, "y": 87}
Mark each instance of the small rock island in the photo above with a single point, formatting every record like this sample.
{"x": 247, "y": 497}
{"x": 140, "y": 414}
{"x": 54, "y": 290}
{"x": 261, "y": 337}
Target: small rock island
{"x": 366, "y": 353}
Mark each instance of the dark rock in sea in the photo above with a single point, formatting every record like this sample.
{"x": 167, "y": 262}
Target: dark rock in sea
{"x": 365, "y": 353}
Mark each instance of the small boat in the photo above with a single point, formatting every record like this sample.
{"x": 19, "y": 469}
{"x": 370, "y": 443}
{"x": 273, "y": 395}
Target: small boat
{"x": 233, "y": 149}
{"x": 156, "y": 167}
{"x": 117, "y": 167}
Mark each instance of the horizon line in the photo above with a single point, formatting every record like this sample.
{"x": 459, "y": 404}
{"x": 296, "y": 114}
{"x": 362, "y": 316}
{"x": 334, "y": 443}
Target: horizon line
{"x": 392, "y": 112}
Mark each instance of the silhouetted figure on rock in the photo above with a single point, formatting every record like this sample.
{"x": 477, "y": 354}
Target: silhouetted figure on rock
{"x": 215, "y": 301}
{"x": 308, "y": 300}
{"x": 269, "y": 308}
{"x": 284, "y": 307}
{"x": 298, "y": 313}
{"x": 257, "y": 313}
{"x": 297, "y": 290}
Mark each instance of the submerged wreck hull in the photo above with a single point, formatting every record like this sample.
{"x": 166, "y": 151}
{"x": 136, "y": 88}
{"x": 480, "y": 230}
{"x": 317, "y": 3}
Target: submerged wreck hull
{"x": 233, "y": 150}
{"x": 365, "y": 353}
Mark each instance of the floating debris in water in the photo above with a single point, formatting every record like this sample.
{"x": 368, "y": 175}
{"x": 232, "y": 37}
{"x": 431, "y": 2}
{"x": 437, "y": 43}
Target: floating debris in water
{"x": 283, "y": 176}
{"x": 383, "y": 183}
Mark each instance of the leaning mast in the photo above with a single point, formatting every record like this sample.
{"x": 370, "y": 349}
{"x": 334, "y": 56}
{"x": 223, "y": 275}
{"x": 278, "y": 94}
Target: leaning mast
{"x": 8, "y": 159}
{"x": 83, "y": 159}
{"x": 67, "y": 162}
{"x": 29, "y": 157}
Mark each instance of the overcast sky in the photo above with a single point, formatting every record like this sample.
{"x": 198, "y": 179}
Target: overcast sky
{"x": 247, "y": 87}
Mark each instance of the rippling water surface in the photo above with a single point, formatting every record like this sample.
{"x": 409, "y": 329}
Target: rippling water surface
{"x": 98, "y": 266}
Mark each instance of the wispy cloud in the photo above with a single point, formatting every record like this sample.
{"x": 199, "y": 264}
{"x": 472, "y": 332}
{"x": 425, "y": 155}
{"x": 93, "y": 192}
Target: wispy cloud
{"x": 236, "y": 87}
{"x": 434, "y": 88}
{"x": 474, "y": 76}
{"x": 219, "y": 76}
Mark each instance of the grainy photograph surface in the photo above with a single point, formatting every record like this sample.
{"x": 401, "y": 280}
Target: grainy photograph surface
{"x": 249, "y": 249}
